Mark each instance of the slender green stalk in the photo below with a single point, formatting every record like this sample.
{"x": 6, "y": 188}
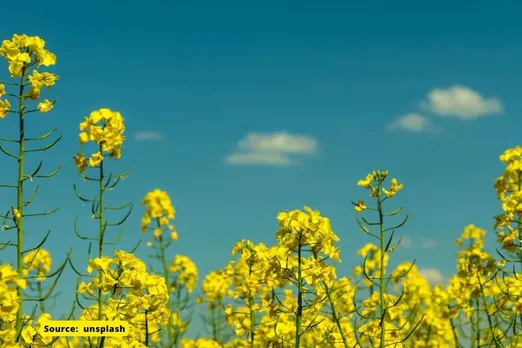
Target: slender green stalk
{"x": 381, "y": 275}
{"x": 490, "y": 321}
{"x": 252, "y": 321}
{"x": 146, "y": 329}
{"x": 102, "y": 231}
{"x": 216, "y": 334}
{"x": 454, "y": 332}
{"x": 299, "y": 312}
{"x": 167, "y": 280}
{"x": 334, "y": 315}
{"x": 40, "y": 295}
{"x": 100, "y": 245}
{"x": 178, "y": 314}
{"x": 251, "y": 308}
{"x": 20, "y": 199}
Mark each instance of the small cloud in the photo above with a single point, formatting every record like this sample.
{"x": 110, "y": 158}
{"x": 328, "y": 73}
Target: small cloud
{"x": 148, "y": 136}
{"x": 432, "y": 275}
{"x": 278, "y": 142}
{"x": 461, "y": 102}
{"x": 274, "y": 159}
{"x": 272, "y": 149}
{"x": 429, "y": 244}
{"x": 414, "y": 123}
{"x": 406, "y": 242}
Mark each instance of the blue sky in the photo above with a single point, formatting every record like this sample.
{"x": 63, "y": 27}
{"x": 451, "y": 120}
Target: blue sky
{"x": 429, "y": 91}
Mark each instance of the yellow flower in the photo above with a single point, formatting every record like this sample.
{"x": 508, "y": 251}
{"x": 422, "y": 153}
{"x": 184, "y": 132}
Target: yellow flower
{"x": 394, "y": 188}
{"x": 104, "y": 127}
{"x": 359, "y": 206}
{"x": 96, "y": 159}
{"x": 45, "y": 106}
{"x": 40, "y": 261}
{"x": 5, "y": 106}
{"x": 174, "y": 236}
{"x": 187, "y": 271}
{"x": 2, "y": 90}
{"x": 80, "y": 161}
{"x": 84, "y": 138}
{"x": 366, "y": 182}
{"x": 158, "y": 208}
{"x": 16, "y": 215}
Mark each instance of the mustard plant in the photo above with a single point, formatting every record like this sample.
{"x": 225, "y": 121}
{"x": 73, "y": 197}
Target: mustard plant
{"x": 25, "y": 56}
{"x": 306, "y": 242}
{"x": 105, "y": 129}
{"x": 385, "y": 322}
{"x": 215, "y": 288}
{"x": 181, "y": 273}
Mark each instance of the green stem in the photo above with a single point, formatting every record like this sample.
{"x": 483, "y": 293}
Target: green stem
{"x": 40, "y": 296}
{"x": 381, "y": 275}
{"x": 334, "y": 315}
{"x": 251, "y": 306}
{"x": 166, "y": 276}
{"x": 178, "y": 314}
{"x": 146, "y": 329}
{"x": 20, "y": 200}
{"x": 214, "y": 325}
{"x": 252, "y": 322}
{"x": 454, "y": 332}
{"x": 490, "y": 322}
{"x": 299, "y": 312}
{"x": 475, "y": 325}
{"x": 100, "y": 245}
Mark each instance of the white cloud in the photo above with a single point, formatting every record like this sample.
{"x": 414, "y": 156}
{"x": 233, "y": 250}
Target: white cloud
{"x": 275, "y": 159}
{"x": 278, "y": 142}
{"x": 429, "y": 244}
{"x": 461, "y": 102}
{"x": 414, "y": 123}
{"x": 432, "y": 275}
{"x": 148, "y": 136}
{"x": 272, "y": 148}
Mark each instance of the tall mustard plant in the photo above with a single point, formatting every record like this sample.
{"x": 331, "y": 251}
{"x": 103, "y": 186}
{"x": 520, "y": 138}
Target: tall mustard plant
{"x": 105, "y": 129}
{"x": 21, "y": 96}
{"x": 180, "y": 274}
{"x": 385, "y": 322}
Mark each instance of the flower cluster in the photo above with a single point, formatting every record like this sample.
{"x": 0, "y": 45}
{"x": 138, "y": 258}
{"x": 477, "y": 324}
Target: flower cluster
{"x": 136, "y": 295}
{"x": 186, "y": 271}
{"x": 40, "y": 261}
{"x": 373, "y": 182}
{"x": 307, "y": 228}
{"x": 23, "y": 50}
{"x": 160, "y": 210}
{"x": 215, "y": 287}
{"x": 9, "y": 303}
{"x": 21, "y": 53}
{"x": 105, "y": 128}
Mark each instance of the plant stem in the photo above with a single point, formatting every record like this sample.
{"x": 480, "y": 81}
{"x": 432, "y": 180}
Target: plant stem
{"x": 20, "y": 200}
{"x": 146, "y": 329}
{"x": 100, "y": 245}
{"x": 40, "y": 296}
{"x": 166, "y": 276}
{"x": 381, "y": 275}
{"x": 299, "y": 312}
{"x": 334, "y": 314}
{"x": 178, "y": 314}
{"x": 251, "y": 306}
